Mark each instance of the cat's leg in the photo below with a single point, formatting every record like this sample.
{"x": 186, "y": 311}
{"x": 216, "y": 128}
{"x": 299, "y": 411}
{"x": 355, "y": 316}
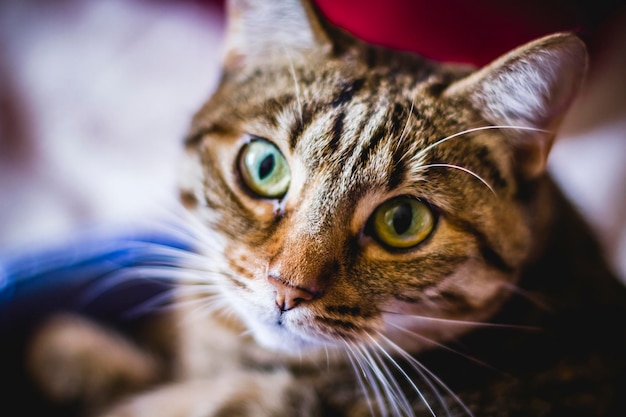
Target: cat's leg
{"x": 237, "y": 394}
{"x": 73, "y": 359}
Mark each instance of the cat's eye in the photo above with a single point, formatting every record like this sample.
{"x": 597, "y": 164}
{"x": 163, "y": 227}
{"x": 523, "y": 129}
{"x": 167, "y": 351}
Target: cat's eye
{"x": 402, "y": 222}
{"x": 264, "y": 169}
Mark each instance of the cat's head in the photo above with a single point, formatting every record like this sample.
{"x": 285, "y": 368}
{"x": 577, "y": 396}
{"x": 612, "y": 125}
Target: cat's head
{"x": 352, "y": 193}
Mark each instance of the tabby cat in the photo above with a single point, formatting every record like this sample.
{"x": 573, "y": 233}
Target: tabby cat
{"x": 377, "y": 237}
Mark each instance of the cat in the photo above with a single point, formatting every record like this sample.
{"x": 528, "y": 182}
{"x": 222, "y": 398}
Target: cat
{"x": 377, "y": 236}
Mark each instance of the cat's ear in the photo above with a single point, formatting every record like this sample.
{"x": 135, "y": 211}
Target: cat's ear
{"x": 270, "y": 30}
{"x": 530, "y": 87}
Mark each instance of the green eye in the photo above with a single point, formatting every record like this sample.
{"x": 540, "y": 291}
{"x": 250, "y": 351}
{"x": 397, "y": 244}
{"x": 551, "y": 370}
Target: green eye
{"x": 264, "y": 169}
{"x": 402, "y": 222}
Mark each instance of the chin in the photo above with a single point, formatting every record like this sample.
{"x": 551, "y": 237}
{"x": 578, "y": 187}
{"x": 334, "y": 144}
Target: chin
{"x": 279, "y": 338}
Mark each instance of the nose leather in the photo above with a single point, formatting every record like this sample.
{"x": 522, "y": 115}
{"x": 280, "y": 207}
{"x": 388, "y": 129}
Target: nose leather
{"x": 289, "y": 296}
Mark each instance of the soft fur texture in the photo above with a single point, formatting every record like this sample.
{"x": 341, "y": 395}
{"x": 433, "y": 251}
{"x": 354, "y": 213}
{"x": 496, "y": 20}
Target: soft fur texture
{"x": 295, "y": 306}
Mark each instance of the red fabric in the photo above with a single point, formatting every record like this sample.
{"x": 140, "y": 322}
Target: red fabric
{"x": 453, "y": 30}
{"x": 470, "y": 31}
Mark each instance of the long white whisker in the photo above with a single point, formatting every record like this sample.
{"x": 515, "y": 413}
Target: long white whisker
{"x": 359, "y": 371}
{"x": 472, "y": 173}
{"x": 405, "y": 375}
{"x": 406, "y": 124}
{"x": 430, "y": 384}
{"x": 419, "y": 366}
{"x": 197, "y": 289}
{"x": 327, "y": 358}
{"x": 527, "y": 295}
{"x": 466, "y": 322}
{"x": 373, "y": 382}
{"x": 178, "y": 255}
{"x": 209, "y": 307}
{"x": 425, "y": 377}
{"x": 395, "y": 388}
{"x": 154, "y": 274}
{"x": 187, "y": 227}
{"x": 382, "y": 377}
{"x": 442, "y": 346}
{"x": 292, "y": 70}
{"x": 423, "y": 152}
{"x": 118, "y": 277}
{"x": 168, "y": 300}
{"x": 159, "y": 302}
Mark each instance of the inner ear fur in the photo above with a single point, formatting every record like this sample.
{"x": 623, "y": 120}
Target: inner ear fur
{"x": 272, "y": 30}
{"x": 530, "y": 88}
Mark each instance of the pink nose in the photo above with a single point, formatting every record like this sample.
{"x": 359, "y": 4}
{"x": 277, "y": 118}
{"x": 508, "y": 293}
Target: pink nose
{"x": 288, "y": 296}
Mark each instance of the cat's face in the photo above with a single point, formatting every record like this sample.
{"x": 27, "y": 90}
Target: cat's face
{"x": 353, "y": 194}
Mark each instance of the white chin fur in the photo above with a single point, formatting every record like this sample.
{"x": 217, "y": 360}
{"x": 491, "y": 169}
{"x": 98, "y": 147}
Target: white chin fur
{"x": 280, "y": 339}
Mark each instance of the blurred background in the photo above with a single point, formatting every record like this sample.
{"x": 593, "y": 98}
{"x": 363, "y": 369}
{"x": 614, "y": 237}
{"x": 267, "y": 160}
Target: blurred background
{"x": 96, "y": 96}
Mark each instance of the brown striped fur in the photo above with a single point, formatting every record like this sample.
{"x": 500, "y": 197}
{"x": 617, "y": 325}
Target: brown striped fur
{"x": 499, "y": 312}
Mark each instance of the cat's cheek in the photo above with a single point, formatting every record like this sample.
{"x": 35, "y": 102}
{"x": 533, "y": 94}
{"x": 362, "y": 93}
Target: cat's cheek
{"x": 456, "y": 306}
{"x": 483, "y": 288}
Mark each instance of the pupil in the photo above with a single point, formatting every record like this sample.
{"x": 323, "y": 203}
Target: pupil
{"x": 266, "y": 167}
{"x": 402, "y": 218}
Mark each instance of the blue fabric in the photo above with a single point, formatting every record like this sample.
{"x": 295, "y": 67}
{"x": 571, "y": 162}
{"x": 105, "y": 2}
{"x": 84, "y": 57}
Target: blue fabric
{"x": 36, "y": 282}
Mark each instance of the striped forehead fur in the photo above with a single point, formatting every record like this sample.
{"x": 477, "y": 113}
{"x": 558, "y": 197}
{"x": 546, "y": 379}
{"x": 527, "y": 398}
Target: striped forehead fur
{"x": 356, "y": 130}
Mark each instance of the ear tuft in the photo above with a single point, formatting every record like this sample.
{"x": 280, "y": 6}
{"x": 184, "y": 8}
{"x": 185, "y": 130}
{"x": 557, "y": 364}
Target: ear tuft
{"x": 530, "y": 87}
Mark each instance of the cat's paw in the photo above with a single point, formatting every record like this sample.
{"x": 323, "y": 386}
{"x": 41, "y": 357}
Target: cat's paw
{"x": 244, "y": 394}
{"x": 74, "y": 359}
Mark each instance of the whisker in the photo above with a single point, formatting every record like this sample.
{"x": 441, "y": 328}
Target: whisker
{"x": 356, "y": 366}
{"x": 176, "y": 254}
{"x": 374, "y": 383}
{"x": 292, "y": 70}
{"x": 210, "y": 306}
{"x": 417, "y": 365}
{"x": 466, "y": 323}
{"x": 468, "y": 171}
{"x": 199, "y": 289}
{"x": 327, "y": 358}
{"x": 527, "y": 295}
{"x": 423, "y": 152}
{"x": 116, "y": 279}
{"x": 406, "y": 124}
{"x": 404, "y": 374}
{"x": 426, "y": 378}
{"x": 167, "y": 300}
{"x": 245, "y": 333}
{"x": 182, "y": 223}
{"x": 445, "y": 347}
{"x": 383, "y": 380}
{"x": 396, "y": 390}
{"x": 157, "y": 303}
{"x": 161, "y": 275}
